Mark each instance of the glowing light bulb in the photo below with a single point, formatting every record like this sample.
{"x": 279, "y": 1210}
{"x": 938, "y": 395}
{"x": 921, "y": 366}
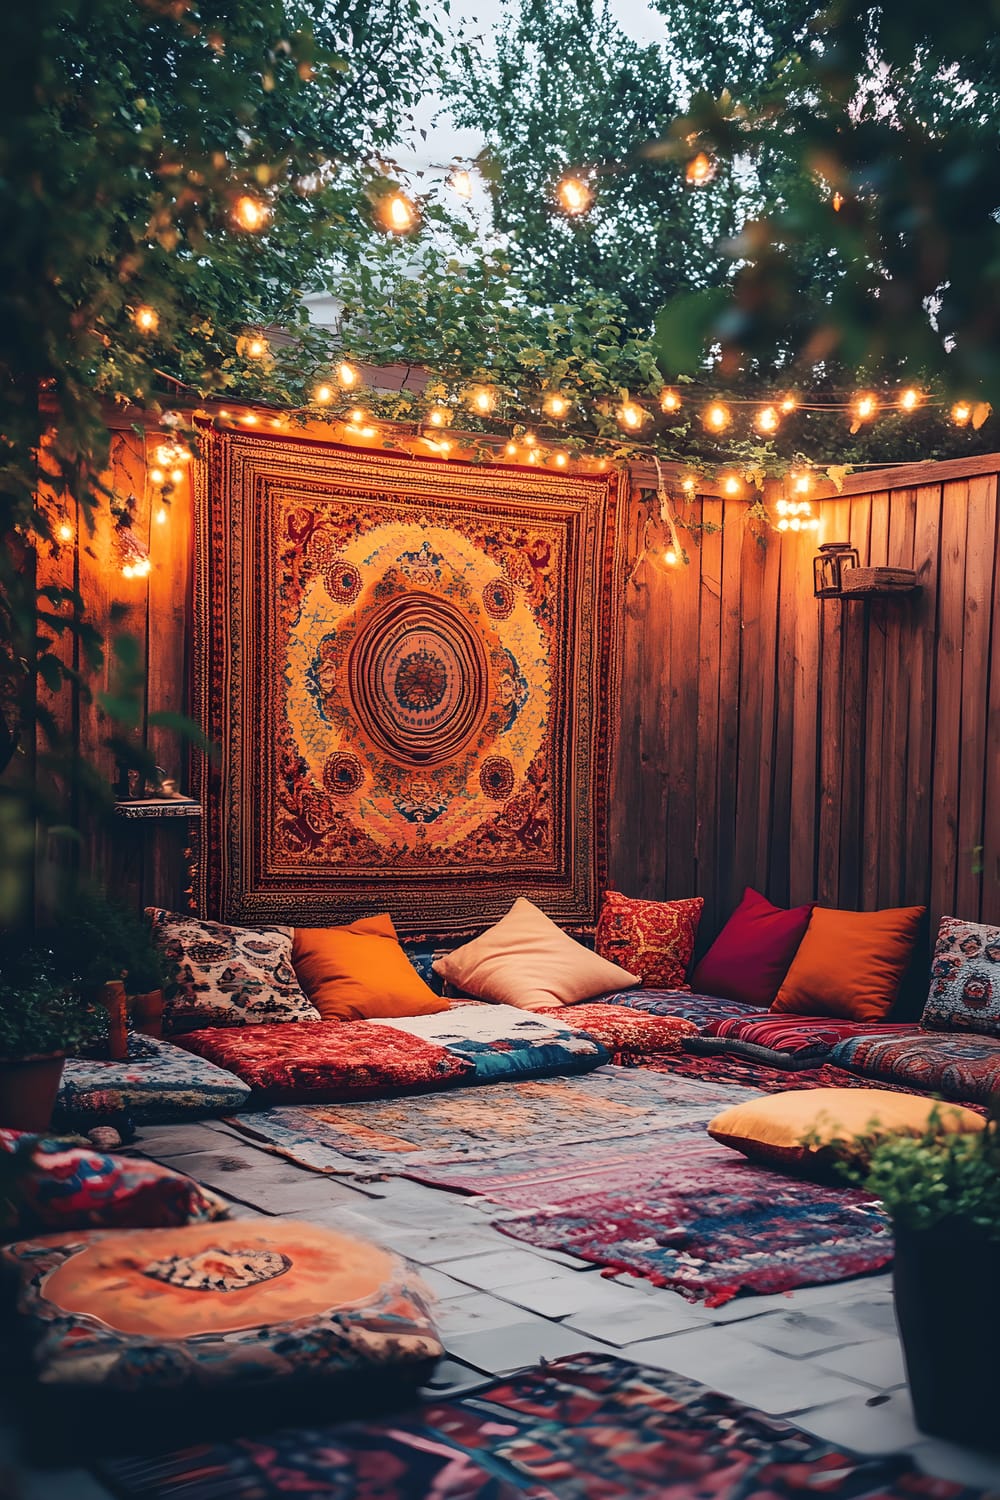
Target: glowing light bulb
{"x": 717, "y": 416}
{"x": 439, "y": 416}
{"x": 669, "y": 400}
{"x": 157, "y": 477}
{"x": 767, "y": 420}
{"x": 865, "y": 406}
{"x": 910, "y": 399}
{"x": 556, "y": 405}
{"x": 529, "y": 440}
{"x": 323, "y": 395}
{"x": 787, "y": 404}
{"x": 631, "y": 416}
{"x": 127, "y": 570}
{"x": 561, "y": 460}
{"x": 784, "y": 524}
{"x": 802, "y": 483}
{"x": 795, "y": 524}
{"x": 161, "y": 516}
{"x": 511, "y": 450}
{"x": 256, "y": 347}
{"x": 176, "y": 476}
{"x": 575, "y": 196}
{"x": 731, "y": 485}
{"x": 357, "y": 416}
{"x": 961, "y": 413}
{"x": 482, "y": 399}
{"x": 700, "y": 169}
{"x": 347, "y": 374}
{"x": 250, "y": 418}
{"x": 781, "y": 506}
{"x": 64, "y": 531}
{"x": 813, "y": 523}
{"x": 460, "y": 181}
{"x": 146, "y": 319}
{"x": 838, "y": 202}
{"x": 398, "y": 214}
{"x": 689, "y": 484}
{"x": 533, "y": 456}
{"x": 670, "y": 557}
{"x": 251, "y": 213}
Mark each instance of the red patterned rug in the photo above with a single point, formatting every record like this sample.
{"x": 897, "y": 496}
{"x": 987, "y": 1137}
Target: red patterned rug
{"x": 409, "y": 667}
{"x": 679, "y": 1210}
{"x": 585, "y": 1427}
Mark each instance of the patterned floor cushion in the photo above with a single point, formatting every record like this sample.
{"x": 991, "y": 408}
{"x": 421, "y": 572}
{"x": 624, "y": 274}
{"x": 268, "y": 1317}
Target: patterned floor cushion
{"x": 156, "y": 1082}
{"x": 627, "y": 1033}
{"x": 503, "y": 1042}
{"x": 238, "y": 1312}
{"x": 785, "y": 1041}
{"x": 51, "y": 1184}
{"x": 959, "y": 1067}
{"x": 701, "y": 1009}
{"x": 330, "y": 1061}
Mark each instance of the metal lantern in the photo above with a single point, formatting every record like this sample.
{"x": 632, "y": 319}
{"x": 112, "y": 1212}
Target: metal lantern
{"x": 829, "y": 566}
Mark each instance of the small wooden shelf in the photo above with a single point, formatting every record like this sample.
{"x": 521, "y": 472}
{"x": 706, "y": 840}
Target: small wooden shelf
{"x": 882, "y": 583}
{"x": 158, "y": 807}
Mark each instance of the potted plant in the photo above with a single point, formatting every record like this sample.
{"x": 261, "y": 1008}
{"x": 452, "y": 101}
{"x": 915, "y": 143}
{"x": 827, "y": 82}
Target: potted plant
{"x": 42, "y": 1020}
{"x": 942, "y": 1192}
{"x": 102, "y": 945}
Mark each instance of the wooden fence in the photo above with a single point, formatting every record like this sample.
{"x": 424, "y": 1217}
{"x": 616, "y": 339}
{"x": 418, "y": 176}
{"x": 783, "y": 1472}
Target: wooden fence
{"x": 843, "y": 751}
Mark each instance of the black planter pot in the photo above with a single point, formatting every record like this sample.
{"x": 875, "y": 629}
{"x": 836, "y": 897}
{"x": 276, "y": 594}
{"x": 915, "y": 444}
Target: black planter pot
{"x": 947, "y": 1286}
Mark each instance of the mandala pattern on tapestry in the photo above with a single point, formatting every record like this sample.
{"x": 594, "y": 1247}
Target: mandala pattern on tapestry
{"x": 409, "y": 668}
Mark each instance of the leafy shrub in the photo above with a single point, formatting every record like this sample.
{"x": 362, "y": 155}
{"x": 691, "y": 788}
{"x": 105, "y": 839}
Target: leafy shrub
{"x": 39, "y": 1013}
{"x": 938, "y": 1179}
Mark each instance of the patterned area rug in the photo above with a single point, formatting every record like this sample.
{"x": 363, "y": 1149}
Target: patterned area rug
{"x": 469, "y": 1124}
{"x": 586, "y": 1427}
{"x": 677, "y": 1209}
{"x": 723, "y": 1068}
{"x": 409, "y": 667}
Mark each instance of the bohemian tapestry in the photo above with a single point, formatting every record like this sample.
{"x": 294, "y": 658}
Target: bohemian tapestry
{"x": 409, "y": 667}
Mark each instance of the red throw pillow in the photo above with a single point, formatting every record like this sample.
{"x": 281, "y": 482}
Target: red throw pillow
{"x": 753, "y": 952}
{"x": 654, "y": 939}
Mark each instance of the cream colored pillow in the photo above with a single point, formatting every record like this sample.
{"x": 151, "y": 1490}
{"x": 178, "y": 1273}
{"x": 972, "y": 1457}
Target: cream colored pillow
{"x": 527, "y": 961}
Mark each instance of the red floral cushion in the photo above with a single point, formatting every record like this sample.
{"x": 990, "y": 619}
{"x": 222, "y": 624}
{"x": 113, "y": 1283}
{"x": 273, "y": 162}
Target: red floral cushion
{"x": 654, "y": 939}
{"x": 328, "y": 1061}
{"x": 625, "y": 1032}
{"x": 786, "y": 1041}
{"x": 753, "y": 952}
{"x": 51, "y": 1185}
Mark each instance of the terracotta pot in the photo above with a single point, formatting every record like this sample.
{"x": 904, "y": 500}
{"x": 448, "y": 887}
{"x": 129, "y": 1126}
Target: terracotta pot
{"x": 147, "y": 1013}
{"x": 947, "y": 1286}
{"x": 28, "y": 1089}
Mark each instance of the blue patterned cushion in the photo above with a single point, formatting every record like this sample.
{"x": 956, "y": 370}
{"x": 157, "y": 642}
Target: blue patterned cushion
{"x": 965, "y": 979}
{"x": 701, "y": 1009}
{"x": 966, "y": 1068}
{"x": 422, "y": 956}
{"x": 504, "y": 1043}
{"x": 156, "y": 1082}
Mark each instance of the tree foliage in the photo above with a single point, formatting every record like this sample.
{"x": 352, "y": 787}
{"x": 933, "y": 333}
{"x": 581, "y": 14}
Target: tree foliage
{"x": 889, "y": 112}
{"x": 128, "y": 134}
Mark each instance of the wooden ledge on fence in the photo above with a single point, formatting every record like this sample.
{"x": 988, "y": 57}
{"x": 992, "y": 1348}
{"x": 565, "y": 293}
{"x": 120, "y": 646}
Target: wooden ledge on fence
{"x": 864, "y": 582}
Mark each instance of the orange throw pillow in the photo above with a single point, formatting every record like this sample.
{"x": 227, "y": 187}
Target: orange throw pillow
{"x": 357, "y": 972}
{"x": 850, "y": 963}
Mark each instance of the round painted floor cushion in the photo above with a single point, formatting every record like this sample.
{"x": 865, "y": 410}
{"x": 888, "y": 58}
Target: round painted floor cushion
{"x": 240, "y": 1304}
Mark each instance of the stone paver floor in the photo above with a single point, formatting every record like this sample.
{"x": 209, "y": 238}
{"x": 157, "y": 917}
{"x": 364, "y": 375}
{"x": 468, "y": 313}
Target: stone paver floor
{"x": 827, "y": 1357}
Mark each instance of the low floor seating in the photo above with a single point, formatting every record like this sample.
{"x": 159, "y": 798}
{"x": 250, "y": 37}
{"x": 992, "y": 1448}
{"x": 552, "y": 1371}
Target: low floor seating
{"x": 959, "y": 1066}
{"x": 231, "y": 1325}
{"x": 785, "y": 1041}
{"x": 156, "y": 1083}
